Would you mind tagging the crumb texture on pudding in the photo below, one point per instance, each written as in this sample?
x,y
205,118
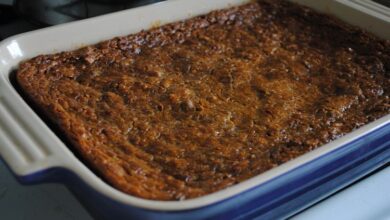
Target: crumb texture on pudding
x,y
192,107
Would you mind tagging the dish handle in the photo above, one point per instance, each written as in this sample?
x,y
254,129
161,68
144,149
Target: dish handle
x,y
23,144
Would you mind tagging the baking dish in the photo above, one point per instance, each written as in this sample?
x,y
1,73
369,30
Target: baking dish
x,y
35,154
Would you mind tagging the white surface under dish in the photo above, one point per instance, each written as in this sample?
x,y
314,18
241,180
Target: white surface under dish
x,y
367,199
29,146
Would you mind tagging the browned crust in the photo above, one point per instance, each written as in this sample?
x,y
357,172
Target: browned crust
x,y
193,107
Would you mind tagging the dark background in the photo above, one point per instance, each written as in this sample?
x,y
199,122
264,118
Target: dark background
x,y
27,15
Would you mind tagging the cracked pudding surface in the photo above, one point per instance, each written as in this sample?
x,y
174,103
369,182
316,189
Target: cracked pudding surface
x,y
192,107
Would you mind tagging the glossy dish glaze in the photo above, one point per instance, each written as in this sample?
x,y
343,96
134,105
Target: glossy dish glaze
x,y
193,107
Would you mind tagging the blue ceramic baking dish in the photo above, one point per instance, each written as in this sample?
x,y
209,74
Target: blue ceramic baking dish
x,y
36,155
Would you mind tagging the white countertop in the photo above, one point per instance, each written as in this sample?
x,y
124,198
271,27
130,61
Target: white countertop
x,y
368,199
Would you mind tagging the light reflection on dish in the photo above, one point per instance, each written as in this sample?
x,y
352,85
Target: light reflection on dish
x,y
14,50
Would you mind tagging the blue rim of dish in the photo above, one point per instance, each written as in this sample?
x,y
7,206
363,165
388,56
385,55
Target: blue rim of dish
x,y
277,187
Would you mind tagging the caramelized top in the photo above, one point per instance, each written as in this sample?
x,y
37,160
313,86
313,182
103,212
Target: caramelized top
x,y
193,107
